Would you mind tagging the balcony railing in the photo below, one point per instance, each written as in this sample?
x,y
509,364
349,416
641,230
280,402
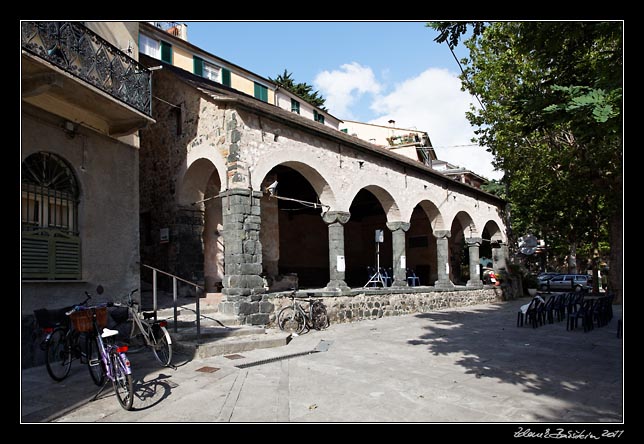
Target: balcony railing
x,y
75,49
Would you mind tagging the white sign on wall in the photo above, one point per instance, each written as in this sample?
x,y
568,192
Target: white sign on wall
x,y
403,262
447,268
340,263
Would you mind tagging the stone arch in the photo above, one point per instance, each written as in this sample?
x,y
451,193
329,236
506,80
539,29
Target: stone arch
x,y
466,221
290,226
201,163
496,234
387,201
433,214
290,159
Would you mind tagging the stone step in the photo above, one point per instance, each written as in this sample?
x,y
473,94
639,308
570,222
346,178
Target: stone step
x,y
208,332
217,346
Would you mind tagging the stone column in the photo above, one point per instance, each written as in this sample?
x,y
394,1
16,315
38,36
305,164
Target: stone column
x,y
398,230
499,256
442,261
473,244
336,221
242,282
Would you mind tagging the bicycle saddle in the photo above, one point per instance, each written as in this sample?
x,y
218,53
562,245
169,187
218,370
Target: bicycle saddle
x,y
108,333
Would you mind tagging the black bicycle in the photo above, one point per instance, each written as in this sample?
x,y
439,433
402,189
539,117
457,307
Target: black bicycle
x,y
295,318
62,344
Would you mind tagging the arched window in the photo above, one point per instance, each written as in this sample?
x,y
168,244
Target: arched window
x,y
50,241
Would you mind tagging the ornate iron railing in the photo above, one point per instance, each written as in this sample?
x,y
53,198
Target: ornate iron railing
x,y
77,50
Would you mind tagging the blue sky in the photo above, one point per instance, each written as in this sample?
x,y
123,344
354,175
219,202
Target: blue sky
x,y
367,71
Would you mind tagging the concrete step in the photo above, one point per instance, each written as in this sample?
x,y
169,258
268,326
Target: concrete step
x,y
236,343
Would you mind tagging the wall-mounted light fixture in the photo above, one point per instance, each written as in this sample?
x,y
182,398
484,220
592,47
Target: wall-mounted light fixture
x,y
70,128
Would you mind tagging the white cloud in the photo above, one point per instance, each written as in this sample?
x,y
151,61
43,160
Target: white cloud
x,y
342,88
433,102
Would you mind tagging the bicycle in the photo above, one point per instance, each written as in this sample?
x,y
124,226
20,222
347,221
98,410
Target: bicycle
x,y
295,319
146,331
62,343
107,360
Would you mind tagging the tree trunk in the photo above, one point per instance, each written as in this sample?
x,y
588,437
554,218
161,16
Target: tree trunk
x,y
572,259
616,254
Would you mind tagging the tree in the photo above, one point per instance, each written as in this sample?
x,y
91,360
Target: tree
x,y
551,115
302,89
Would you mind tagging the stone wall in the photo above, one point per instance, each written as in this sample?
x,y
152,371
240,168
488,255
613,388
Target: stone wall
x,y
373,306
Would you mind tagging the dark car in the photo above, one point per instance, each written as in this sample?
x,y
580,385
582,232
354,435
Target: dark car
x,y
567,282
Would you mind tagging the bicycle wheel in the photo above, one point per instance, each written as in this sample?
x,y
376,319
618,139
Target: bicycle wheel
x,y
136,340
290,320
95,364
122,382
58,355
160,342
320,317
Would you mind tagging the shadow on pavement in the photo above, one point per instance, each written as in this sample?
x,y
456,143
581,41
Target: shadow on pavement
x,y
582,370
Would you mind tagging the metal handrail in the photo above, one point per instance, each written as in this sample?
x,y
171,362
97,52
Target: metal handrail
x,y
174,295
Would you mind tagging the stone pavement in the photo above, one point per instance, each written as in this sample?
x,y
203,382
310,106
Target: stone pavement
x,y
467,364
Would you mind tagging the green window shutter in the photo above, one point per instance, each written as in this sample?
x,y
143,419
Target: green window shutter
x,y
261,92
315,115
295,106
225,76
166,52
50,254
345,130
198,65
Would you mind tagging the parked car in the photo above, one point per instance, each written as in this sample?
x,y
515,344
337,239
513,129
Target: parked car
x,y
567,282
546,276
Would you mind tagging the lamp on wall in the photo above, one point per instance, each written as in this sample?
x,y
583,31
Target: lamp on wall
x,y
70,128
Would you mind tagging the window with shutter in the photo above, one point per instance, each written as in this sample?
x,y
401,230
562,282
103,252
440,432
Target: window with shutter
x,y
197,63
225,76
166,52
50,244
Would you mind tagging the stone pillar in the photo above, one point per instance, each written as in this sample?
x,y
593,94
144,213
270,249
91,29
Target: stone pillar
x,y
442,259
473,244
270,234
336,221
499,257
242,282
398,230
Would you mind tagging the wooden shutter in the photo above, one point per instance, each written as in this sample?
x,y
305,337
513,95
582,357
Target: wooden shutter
x,y
166,52
50,254
197,65
225,76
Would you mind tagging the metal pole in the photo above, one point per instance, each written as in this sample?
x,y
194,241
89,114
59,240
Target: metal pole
x,y
154,292
174,301
198,312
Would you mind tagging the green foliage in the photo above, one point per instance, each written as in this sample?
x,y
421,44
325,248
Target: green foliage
x,y
552,117
302,89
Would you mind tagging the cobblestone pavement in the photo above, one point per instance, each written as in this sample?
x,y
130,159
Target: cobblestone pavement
x,y
462,365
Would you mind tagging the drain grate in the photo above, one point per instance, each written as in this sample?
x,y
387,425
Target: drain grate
x,y
321,347
207,369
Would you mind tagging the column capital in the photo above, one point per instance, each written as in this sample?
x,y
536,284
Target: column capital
x,y
331,217
474,241
394,226
442,234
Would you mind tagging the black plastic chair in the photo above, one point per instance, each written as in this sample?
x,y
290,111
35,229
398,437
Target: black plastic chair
x,y
584,312
386,277
531,316
546,311
412,279
559,307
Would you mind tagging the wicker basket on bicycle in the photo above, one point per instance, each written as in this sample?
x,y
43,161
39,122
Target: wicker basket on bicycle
x,y
82,319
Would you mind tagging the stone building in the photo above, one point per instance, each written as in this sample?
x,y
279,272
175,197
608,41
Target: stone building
x,y
206,169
